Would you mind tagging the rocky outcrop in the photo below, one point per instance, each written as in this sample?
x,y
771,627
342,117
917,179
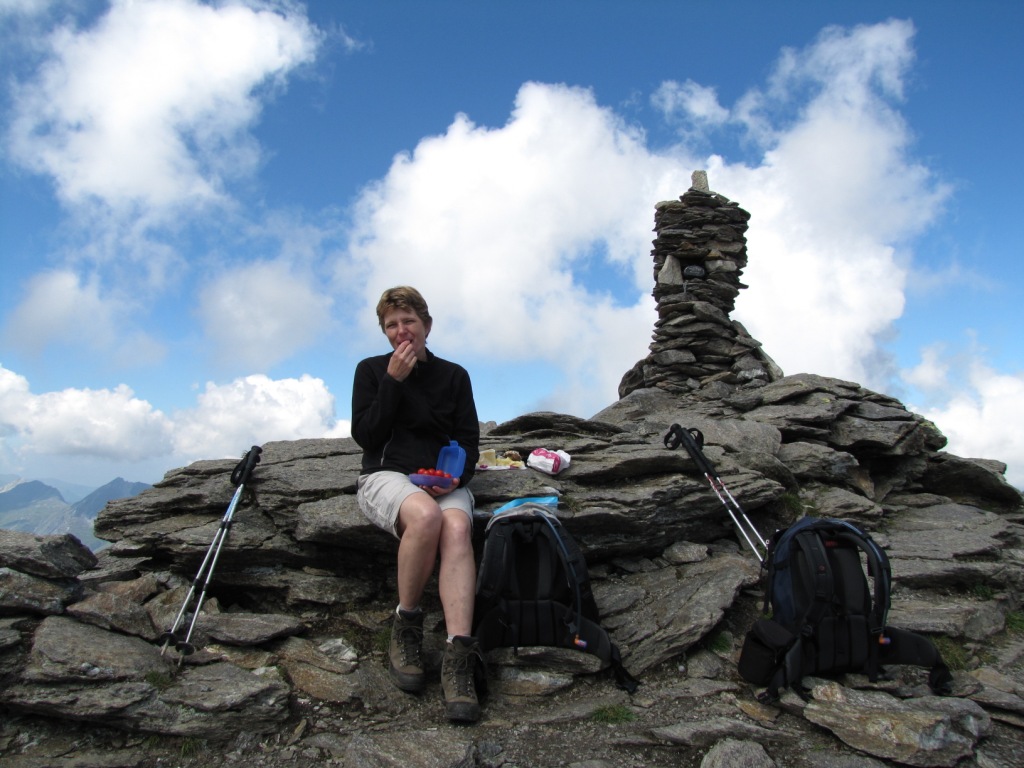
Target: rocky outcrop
x,y
289,667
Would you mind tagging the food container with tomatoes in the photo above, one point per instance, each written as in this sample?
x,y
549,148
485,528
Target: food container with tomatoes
x,y
450,462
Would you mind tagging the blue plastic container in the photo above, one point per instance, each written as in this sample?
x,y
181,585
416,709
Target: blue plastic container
x,y
452,459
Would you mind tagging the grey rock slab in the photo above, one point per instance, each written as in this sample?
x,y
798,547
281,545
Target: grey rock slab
x,y
680,605
65,650
579,709
338,520
116,612
333,655
992,698
819,411
892,436
105,703
314,672
248,628
52,557
931,731
840,503
522,681
932,574
420,748
215,700
813,461
972,481
734,753
712,730
563,660
698,688
795,387
21,593
948,530
969,619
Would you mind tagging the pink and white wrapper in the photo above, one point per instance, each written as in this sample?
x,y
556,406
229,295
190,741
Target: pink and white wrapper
x,y
548,462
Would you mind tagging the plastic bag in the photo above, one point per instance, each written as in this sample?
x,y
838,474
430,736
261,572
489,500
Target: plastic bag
x,y
548,462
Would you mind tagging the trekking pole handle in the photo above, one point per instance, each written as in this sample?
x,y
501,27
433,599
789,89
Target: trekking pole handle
x,y
240,474
692,440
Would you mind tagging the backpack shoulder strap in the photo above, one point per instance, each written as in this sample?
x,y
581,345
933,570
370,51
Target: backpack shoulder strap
x,y
586,633
499,548
880,571
573,618
816,572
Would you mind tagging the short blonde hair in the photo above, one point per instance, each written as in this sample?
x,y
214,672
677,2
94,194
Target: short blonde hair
x,y
403,297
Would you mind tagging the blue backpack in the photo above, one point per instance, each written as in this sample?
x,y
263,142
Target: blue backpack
x,y
826,618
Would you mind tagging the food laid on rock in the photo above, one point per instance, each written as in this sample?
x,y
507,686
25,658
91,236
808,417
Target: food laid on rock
x,y
489,459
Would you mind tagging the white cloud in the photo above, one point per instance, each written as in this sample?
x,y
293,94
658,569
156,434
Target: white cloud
x,y
497,226
260,314
835,197
689,101
151,106
531,241
983,420
932,373
59,306
26,7
977,408
145,111
254,410
109,423
115,425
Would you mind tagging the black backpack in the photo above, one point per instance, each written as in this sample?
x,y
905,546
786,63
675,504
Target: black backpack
x,y
533,589
825,617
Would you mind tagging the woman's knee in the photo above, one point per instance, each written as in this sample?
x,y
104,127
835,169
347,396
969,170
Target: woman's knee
x,y
420,513
457,528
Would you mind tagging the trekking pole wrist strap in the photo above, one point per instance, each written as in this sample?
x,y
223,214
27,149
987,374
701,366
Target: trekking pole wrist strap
x,y
240,474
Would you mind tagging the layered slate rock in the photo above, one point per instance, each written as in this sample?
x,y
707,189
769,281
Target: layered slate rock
x,y
305,586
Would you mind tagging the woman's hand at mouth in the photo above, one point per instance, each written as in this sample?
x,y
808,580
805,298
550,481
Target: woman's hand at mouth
x,y
403,360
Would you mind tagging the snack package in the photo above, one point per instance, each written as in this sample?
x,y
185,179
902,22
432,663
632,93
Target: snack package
x,y
548,462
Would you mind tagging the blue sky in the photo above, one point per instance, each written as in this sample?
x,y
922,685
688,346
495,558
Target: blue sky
x,y
201,201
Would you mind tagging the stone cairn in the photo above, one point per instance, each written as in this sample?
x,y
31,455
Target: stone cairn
x,y
699,254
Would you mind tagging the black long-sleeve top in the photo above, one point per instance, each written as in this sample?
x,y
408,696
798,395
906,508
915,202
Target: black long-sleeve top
x,y
403,425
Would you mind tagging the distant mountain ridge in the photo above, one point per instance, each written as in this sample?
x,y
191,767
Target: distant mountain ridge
x,y
33,506
27,493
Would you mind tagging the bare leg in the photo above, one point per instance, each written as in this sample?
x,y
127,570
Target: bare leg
x,y
457,577
419,525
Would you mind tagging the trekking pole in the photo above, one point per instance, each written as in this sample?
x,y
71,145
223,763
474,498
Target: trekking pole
x,y
239,476
693,441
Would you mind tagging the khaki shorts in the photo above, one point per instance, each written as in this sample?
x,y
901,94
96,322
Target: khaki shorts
x,y
380,496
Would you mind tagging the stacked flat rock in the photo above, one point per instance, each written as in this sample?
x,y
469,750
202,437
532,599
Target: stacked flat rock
x,y
699,255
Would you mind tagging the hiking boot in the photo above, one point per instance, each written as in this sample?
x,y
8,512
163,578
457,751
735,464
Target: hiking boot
x,y
458,678
406,652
